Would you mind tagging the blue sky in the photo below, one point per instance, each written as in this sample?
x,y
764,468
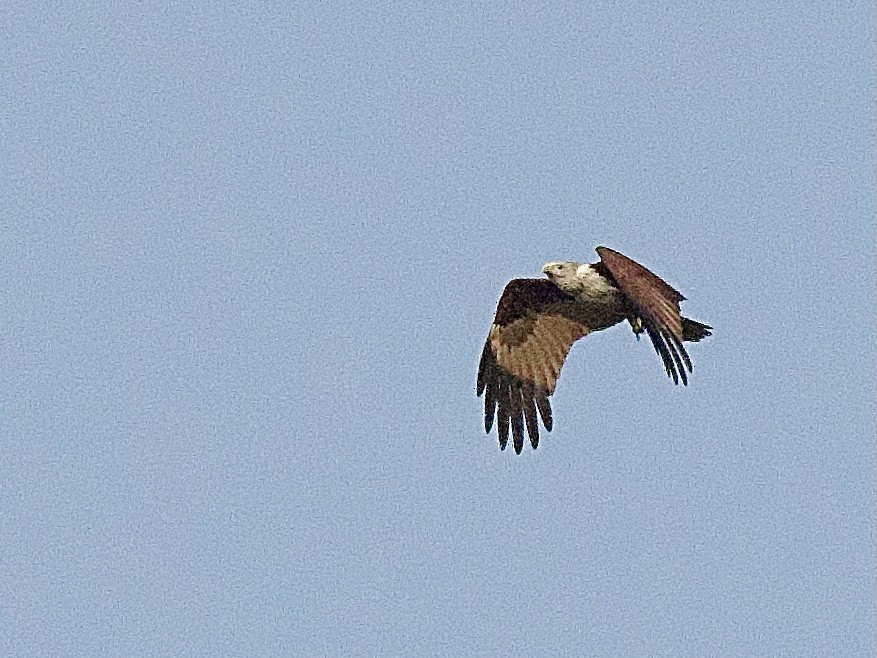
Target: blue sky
x,y
250,257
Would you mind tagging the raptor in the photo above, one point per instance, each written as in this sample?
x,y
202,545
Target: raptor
x,y
538,320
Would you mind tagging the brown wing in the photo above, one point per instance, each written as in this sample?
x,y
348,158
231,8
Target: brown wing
x,y
657,305
525,349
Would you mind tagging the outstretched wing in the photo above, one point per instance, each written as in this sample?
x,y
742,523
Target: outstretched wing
x,y
530,337
656,303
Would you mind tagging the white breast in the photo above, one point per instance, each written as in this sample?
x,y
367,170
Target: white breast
x,y
593,283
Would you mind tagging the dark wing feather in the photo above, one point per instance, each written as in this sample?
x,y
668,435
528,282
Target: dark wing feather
x,y
657,304
522,357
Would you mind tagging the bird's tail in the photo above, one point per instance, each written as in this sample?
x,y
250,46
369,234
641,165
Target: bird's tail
x,y
694,331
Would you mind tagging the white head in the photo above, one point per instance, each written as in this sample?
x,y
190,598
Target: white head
x,y
578,278
563,274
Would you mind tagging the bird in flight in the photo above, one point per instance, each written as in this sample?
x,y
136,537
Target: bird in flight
x,y
538,320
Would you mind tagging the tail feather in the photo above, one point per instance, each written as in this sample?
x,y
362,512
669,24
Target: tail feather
x,y
694,331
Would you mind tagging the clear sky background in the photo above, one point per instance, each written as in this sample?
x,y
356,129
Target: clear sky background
x,y
249,259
